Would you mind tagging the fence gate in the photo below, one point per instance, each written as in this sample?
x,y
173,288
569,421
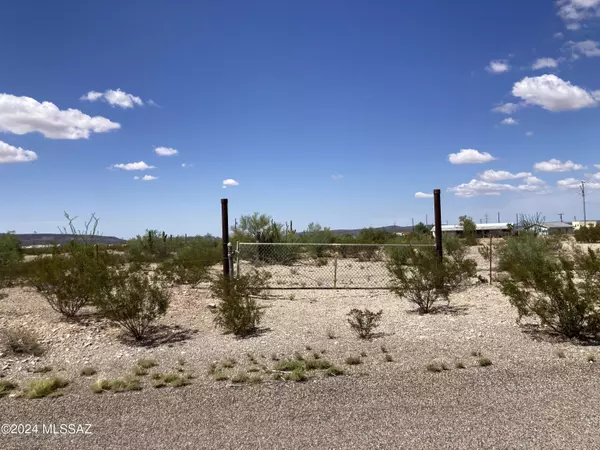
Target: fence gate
x,y
320,266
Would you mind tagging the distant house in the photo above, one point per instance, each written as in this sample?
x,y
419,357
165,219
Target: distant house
x,y
482,229
551,228
588,223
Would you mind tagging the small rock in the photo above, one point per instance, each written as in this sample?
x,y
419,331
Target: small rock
x,y
211,305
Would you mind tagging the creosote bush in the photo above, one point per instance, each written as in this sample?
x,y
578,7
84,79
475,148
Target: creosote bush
x,y
191,263
419,275
134,301
238,312
363,323
562,290
70,279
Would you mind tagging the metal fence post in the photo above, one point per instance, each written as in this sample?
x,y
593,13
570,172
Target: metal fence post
x,y
237,259
225,236
335,260
437,207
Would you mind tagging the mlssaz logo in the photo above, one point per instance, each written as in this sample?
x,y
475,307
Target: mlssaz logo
x,y
67,428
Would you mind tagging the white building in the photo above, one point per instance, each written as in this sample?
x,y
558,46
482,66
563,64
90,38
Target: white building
x,y
589,223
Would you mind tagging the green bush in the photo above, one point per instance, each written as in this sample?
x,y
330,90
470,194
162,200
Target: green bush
x,y
364,322
70,280
133,301
238,312
588,234
192,262
419,275
561,290
11,256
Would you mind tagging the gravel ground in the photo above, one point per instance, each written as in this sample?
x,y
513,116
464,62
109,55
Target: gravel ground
x,y
528,398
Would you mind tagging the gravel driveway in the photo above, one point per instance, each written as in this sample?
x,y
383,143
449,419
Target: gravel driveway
x,y
540,407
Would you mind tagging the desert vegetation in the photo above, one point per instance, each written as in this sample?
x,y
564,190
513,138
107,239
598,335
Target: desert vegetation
x,y
133,288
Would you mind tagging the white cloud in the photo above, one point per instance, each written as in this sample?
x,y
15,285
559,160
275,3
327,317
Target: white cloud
x,y
91,96
552,93
114,97
507,108
509,121
542,63
572,183
187,165
146,178
597,166
555,165
476,188
498,66
529,134
141,165
586,48
559,35
21,115
11,154
337,177
229,182
423,195
500,175
575,11
165,151
470,156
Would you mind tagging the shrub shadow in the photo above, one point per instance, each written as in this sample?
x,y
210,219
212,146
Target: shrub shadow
x,y
160,335
447,310
256,333
539,333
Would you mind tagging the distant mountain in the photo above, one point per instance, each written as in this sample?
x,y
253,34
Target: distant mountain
x,y
389,229
59,239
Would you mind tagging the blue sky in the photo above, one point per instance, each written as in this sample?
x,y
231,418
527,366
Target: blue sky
x,y
331,111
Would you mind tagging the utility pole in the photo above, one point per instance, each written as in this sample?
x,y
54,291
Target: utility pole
x,y
560,215
413,224
498,217
486,217
426,220
582,193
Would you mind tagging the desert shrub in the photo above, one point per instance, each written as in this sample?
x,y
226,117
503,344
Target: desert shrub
x,y
134,301
20,341
71,279
469,230
419,275
562,290
364,322
45,387
191,263
238,311
588,234
11,256
316,234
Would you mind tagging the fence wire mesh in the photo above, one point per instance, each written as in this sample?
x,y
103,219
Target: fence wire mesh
x,y
320,266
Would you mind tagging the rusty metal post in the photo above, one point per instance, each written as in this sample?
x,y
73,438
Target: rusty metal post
x,y
437,207
225,236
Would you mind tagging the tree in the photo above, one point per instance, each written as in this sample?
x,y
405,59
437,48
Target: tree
x,y
532,222
421,228
316,234
259,228
469,229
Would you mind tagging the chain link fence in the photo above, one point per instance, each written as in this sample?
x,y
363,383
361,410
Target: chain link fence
x,y
319,266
